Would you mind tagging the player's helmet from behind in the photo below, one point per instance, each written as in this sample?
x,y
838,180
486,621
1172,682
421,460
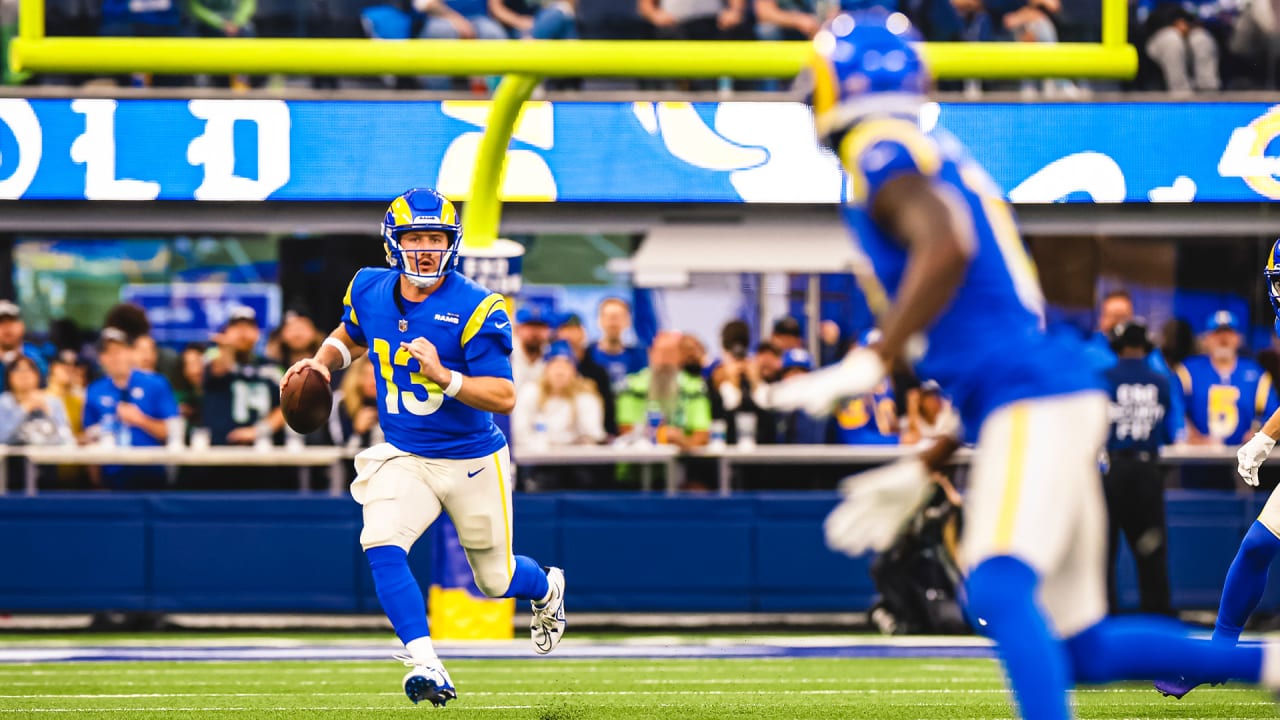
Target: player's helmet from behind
x,y
421,209
1272,274
863,63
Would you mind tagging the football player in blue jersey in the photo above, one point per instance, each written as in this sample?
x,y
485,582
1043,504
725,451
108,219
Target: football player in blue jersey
x,y
944,269
1247,576
441,346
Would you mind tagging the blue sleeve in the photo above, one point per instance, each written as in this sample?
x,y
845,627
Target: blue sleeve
x,y
1177,415
350,321
10,417
92,412
637,359
1170,427
488,348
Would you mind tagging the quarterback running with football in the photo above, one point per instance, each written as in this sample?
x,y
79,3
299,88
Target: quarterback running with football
x,y
944,269
1247,576
441,346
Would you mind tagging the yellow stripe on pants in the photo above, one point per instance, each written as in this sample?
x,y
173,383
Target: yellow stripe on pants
x,y
1013,477
506,519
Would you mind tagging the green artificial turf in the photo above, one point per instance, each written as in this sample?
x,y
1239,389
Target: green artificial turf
x,y
550,689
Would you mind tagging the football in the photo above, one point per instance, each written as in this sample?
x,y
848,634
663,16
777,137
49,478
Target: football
x,y
306,401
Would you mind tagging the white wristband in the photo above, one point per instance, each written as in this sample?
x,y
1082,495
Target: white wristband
x,y
455,383
342,348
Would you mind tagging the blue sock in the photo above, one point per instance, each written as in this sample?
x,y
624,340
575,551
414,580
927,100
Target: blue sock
x,y
528,582
1246,579
1146,647
398,591
1002,591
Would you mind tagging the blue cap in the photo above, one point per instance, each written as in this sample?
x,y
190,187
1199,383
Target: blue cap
x,y
1222,319
561,349
533,314
797,358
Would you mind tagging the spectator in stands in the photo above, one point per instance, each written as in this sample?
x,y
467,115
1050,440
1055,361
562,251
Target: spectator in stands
x,y
1184,50
299,338
798,427
679,399
241,388
929,415
132,320
127,407
13,333
563,408
610,351
832,346
1224,394
189,390
694,19
787,334
693,355
1256,37
574,333
354,421
870,419
532,335
727,384
29,415
142,18
147,353
63,385
456,20
539,19
786,19
223,18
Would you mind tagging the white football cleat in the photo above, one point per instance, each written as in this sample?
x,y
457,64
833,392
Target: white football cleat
x,y
548,620
427,682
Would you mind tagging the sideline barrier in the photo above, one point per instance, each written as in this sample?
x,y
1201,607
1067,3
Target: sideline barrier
x,y
623,552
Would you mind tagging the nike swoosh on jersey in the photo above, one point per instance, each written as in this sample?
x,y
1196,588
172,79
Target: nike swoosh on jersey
x,y
473,474
503,324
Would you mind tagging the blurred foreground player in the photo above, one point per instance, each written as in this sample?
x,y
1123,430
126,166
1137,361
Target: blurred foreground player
x,y
1247,576
423,326
942,253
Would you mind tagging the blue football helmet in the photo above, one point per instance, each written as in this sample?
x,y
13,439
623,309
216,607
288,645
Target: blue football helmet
x,y
1272,274
863,63
421,209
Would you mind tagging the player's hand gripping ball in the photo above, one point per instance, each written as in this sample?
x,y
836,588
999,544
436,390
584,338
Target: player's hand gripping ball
x,y
306,398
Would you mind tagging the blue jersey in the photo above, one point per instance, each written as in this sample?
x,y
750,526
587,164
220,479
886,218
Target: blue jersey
x,y
988,348
1141,407
471,331
1103,358
870,419
149,391
632,359
1225,406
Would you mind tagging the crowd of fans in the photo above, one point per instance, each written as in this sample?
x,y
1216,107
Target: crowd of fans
x,y
125,390
1186,45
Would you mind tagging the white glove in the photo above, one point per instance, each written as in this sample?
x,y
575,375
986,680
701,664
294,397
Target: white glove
x,y
877,504
818,392
1251,455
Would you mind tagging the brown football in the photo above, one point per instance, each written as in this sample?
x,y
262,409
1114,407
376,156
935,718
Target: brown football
x,y
306,401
